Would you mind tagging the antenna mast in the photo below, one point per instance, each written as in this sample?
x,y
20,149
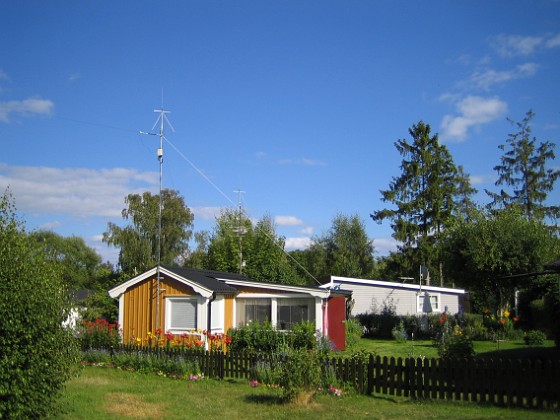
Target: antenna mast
x,y
240,229
161,119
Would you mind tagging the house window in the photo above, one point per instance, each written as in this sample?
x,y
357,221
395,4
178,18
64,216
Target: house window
x,y
294,311
428,302
181,314
253,310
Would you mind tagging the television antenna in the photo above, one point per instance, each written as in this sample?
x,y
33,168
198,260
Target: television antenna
x,y
162,119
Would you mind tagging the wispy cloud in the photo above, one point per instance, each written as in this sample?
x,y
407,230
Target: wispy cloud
x,y
482,179
508,46
307,230
26,107
302,162
206,213
74,192
73,77
472,111
486,79
287,221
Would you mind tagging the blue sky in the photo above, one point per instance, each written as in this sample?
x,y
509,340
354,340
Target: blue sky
x,y
297,103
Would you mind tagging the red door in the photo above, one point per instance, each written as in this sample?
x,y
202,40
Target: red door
x,y
336,314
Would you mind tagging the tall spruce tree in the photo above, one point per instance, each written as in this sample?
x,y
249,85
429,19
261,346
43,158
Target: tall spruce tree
x,y
423,197
523,170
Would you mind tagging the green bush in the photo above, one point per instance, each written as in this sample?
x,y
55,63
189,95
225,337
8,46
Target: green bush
x,y
353,332
257,338
37,354
399,333
534,338
456,346
300,374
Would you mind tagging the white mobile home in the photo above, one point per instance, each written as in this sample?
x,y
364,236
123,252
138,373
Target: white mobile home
x,y
373,296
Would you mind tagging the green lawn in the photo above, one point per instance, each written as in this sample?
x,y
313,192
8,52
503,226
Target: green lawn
x,y
418,348
103,393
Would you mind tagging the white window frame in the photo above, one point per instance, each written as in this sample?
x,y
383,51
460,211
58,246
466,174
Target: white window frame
x,y
169,300
420,302
315,307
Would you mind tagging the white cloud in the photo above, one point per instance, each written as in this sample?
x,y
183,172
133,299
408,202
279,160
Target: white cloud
x,y
516,45
298,243
31,106
287,221
77,192
488,78
383,246
473,111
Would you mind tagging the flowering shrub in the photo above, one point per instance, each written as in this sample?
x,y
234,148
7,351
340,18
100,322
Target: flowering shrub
x,y
335,391
501,325
217,342
99,334
159,339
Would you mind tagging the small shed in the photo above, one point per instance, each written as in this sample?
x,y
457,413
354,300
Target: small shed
x,y
190,301
403,298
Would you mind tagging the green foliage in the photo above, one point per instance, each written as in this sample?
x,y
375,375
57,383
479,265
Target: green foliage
x,y
295,371
481,254
177,366
349,251
458,346
261,250
523,169
300,373
138,242
37,354
79,264
100,305
344,250
534,338
354,332
423,196
399,333
264,338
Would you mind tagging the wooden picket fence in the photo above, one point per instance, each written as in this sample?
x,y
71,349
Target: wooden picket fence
x,y
504,382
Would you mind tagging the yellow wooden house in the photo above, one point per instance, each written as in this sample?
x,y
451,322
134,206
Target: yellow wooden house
x,y
179,300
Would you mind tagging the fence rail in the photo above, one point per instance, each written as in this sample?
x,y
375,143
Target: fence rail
x,y
505,382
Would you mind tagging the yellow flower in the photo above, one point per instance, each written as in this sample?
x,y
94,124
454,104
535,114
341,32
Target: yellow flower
x,y
506,313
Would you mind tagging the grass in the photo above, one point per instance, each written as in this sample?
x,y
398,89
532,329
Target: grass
x,y
418,348
102,393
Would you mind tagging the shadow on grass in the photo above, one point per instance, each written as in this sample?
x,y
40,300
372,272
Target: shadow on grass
x,y
523,352
265,399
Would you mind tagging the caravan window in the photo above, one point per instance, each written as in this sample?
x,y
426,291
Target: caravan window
x,y
428,302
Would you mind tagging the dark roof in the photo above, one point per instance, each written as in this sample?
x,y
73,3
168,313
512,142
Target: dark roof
x,y
207,278
553,266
